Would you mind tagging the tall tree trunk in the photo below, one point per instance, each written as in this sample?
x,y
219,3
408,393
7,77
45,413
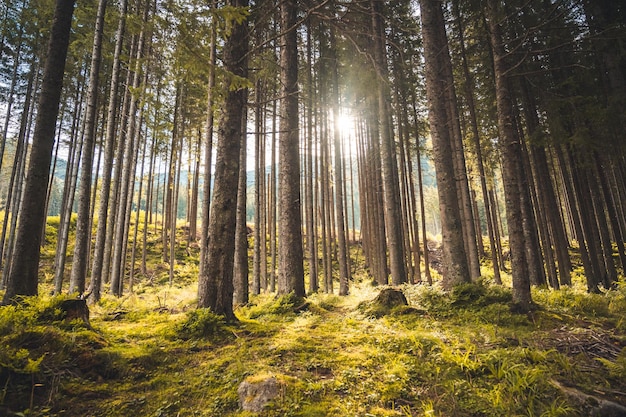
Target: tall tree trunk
x,y
259,193
511,159
23,278
109,150
272,204
344,272
215,286
469,96
81,255
240,271
69,192
128,169
392,212
14,195
456,269
311,223
131,274
18,164
290,256
208,150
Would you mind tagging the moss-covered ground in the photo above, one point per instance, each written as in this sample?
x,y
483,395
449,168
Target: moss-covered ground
x,y
458,354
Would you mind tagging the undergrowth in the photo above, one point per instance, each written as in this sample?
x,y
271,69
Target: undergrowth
x,y
463,353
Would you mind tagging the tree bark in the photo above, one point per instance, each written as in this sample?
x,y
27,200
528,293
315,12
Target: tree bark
x,y
240,271
215,287
511,159
456,269
23,278
208,150
392,213
81,255
109,150
290,256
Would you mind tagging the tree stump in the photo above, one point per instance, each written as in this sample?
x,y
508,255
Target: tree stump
x,y
75,310
389,300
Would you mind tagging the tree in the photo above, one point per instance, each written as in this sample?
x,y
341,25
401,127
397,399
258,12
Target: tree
x,y
23,278
510,151
290,254
109,151
83,224
391,190
455,265
215,287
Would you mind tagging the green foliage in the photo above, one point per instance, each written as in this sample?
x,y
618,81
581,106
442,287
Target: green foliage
x,y
617,303
286,304
617,368
201,323
575,301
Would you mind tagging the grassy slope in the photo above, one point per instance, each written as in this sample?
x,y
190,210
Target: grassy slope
x,y
462,354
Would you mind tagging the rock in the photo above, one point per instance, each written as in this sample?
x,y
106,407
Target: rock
x,y
255,394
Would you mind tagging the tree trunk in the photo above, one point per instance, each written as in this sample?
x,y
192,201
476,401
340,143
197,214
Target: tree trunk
x,y
109,150
215,286
240,271
392,213
23,278
511,158
83,224
311,223
469,96
290,256
127,171
260,236
342,246
456,269
208,150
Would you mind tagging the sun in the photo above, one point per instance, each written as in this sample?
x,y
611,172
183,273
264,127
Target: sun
x,y
345,123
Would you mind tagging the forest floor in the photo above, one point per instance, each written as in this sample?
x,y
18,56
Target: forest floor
x,y
457,354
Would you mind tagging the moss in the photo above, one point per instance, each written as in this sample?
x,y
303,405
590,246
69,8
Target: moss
x,y
461,353
201,323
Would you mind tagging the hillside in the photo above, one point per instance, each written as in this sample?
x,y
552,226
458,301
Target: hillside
x,y
461,354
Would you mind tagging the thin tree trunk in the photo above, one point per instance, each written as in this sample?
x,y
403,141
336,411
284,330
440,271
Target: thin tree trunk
x,y
311,226
511,157
81,256
240,267
259,190
119,248
109,150
272,206
69,192
208,150
392,214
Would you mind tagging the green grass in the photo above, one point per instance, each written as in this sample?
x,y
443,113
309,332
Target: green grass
x,y
462,354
